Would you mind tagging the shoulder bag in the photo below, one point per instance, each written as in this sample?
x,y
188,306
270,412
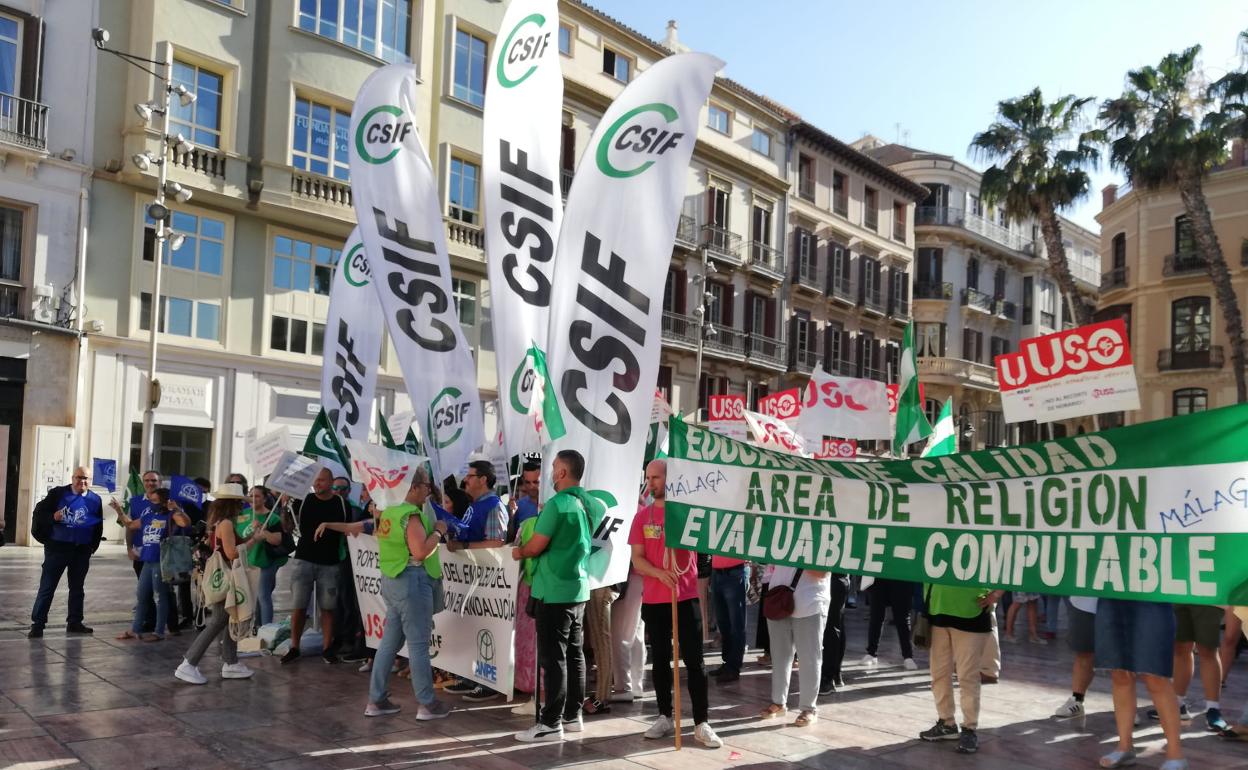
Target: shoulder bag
x,y
779,603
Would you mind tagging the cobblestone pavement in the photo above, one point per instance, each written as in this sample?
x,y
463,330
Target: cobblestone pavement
x,y
95,702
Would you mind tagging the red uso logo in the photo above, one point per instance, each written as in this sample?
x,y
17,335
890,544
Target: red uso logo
x,y
836,449
731,408
776,435
1089,348
782,405
832,395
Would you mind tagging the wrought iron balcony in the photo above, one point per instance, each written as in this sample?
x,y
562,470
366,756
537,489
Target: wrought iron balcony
x,y
565,182
933,291
722,244
806,187
944,216
764,351
806,276
978,300
1004,309
842,288
1114,279
874,374
872,300
723,340
1169,359
679,329
802,360
899,308
687,232
23,122
1182,264
766,261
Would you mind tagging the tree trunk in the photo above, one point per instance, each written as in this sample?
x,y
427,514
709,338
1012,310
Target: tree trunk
x,y
1197,210
1059,267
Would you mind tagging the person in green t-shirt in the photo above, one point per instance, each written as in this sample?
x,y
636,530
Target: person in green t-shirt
x,y
560,544
408,536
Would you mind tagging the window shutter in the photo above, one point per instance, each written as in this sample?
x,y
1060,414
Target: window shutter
x,y
828,347
710,206
748,324
891,275
568,149
847,351
727,306
905,286
943,329
681,289
940,263
813,247
966,344
812,338
793,341
34,41
881,359
797,252
770,328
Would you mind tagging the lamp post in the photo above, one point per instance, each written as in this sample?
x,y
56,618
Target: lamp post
x,y
157,210
699,317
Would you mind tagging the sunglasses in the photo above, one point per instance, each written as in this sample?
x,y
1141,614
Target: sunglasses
x,y
339,488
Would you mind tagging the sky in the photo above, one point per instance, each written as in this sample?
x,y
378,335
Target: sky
x,y
931,73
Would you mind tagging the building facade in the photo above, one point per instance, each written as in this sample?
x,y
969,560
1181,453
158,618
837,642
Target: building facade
x,y
1154,279
981,285
45,151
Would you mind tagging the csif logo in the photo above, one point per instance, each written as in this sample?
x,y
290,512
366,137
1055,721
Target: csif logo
x,y
522,382
447,414
639,133
325,444
520,50
355,267
381,132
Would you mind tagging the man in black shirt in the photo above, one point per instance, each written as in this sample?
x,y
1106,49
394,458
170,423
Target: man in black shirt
x,y
316,563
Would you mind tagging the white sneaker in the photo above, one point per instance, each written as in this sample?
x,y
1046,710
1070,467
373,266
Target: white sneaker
x,y
190,674
623,696
540,733
523,708
909,664
706,736
235,671
661,728
574,725
1069,710
870,661
366,666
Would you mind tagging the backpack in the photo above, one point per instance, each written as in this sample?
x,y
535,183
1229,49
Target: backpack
x,y
176,562
41,520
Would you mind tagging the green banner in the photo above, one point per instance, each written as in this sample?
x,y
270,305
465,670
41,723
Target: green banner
x,y
1156,511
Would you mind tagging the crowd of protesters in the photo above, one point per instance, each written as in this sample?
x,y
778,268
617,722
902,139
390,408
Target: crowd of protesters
x,y
559,616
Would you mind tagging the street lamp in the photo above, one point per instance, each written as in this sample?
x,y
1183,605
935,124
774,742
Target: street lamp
x,y
699,314
156,210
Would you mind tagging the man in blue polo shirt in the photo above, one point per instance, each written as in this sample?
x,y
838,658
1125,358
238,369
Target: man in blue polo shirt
x,y
70,524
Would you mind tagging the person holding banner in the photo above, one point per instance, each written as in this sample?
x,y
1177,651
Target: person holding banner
x,y
153,526
408,536
670,576
561,545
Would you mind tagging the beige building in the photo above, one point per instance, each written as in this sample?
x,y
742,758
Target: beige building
x,y
1154,279
981,285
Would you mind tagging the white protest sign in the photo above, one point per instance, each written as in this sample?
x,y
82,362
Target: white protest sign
x,y
264,452
386,473
846,407
293,474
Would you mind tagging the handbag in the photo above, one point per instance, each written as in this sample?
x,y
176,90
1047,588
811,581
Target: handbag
x,y
779,603
922,634
175,559
214,582
240,597
283,549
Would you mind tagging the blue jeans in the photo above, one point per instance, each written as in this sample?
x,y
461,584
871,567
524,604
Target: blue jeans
x,y
728,587
1051,605
412,599
150,584
56,561
264,598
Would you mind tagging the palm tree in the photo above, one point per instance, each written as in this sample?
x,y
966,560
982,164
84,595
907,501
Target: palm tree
x,y
1168,132
1041,153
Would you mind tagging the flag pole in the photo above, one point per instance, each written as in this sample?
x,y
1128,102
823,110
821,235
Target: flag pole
x,y
675,662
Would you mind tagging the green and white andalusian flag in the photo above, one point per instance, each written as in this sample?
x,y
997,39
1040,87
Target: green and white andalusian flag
x,y
325,446
911,423
944,439
411,444
547,419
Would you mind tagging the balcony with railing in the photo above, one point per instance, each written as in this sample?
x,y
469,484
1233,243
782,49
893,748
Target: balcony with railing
x,y
211,163
802,360
944,216
680,330
1182,264
724,341
762,350
687,232
322,189
766,261
872,300
23,123
565,182
956,370
932,290
1114,279
1004,309
722,244
842,287
841,368
872,373
464,234
977,300
806,276
1170,360
871,219
806,186
899,307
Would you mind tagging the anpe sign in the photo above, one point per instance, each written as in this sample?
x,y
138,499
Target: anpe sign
x,y
1079,372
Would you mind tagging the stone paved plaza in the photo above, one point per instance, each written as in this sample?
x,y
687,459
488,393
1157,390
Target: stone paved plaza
x,y
94,702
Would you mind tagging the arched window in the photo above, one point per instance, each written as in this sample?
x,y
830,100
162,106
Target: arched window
x,y
1188,400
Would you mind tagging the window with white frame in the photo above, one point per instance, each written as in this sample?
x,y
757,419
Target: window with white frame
x,y
300,265
376,27
182,317
565,39
321,139
463,194
1048,304
616,64
471,56
718,119
199,121
203,242
464,292
760,142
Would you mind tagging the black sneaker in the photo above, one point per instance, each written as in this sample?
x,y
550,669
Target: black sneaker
x,y
478,694
968,742
727,676
291,655
329,657
78,628
462,687
940,732
354,657
35,632
1215,722
827,687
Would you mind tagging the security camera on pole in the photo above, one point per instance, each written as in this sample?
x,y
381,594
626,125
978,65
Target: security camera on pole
x,y
157,210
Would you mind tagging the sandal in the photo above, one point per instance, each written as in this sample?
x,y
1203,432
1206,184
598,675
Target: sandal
x,y
1234,733
592,706
123,636
152,638
1118,759
805,719
772,711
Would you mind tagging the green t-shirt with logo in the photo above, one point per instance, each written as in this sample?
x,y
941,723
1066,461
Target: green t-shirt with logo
x,y
568,519
245,526
393,555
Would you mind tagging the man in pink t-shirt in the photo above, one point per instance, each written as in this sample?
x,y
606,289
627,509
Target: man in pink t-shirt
x,y
666,571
